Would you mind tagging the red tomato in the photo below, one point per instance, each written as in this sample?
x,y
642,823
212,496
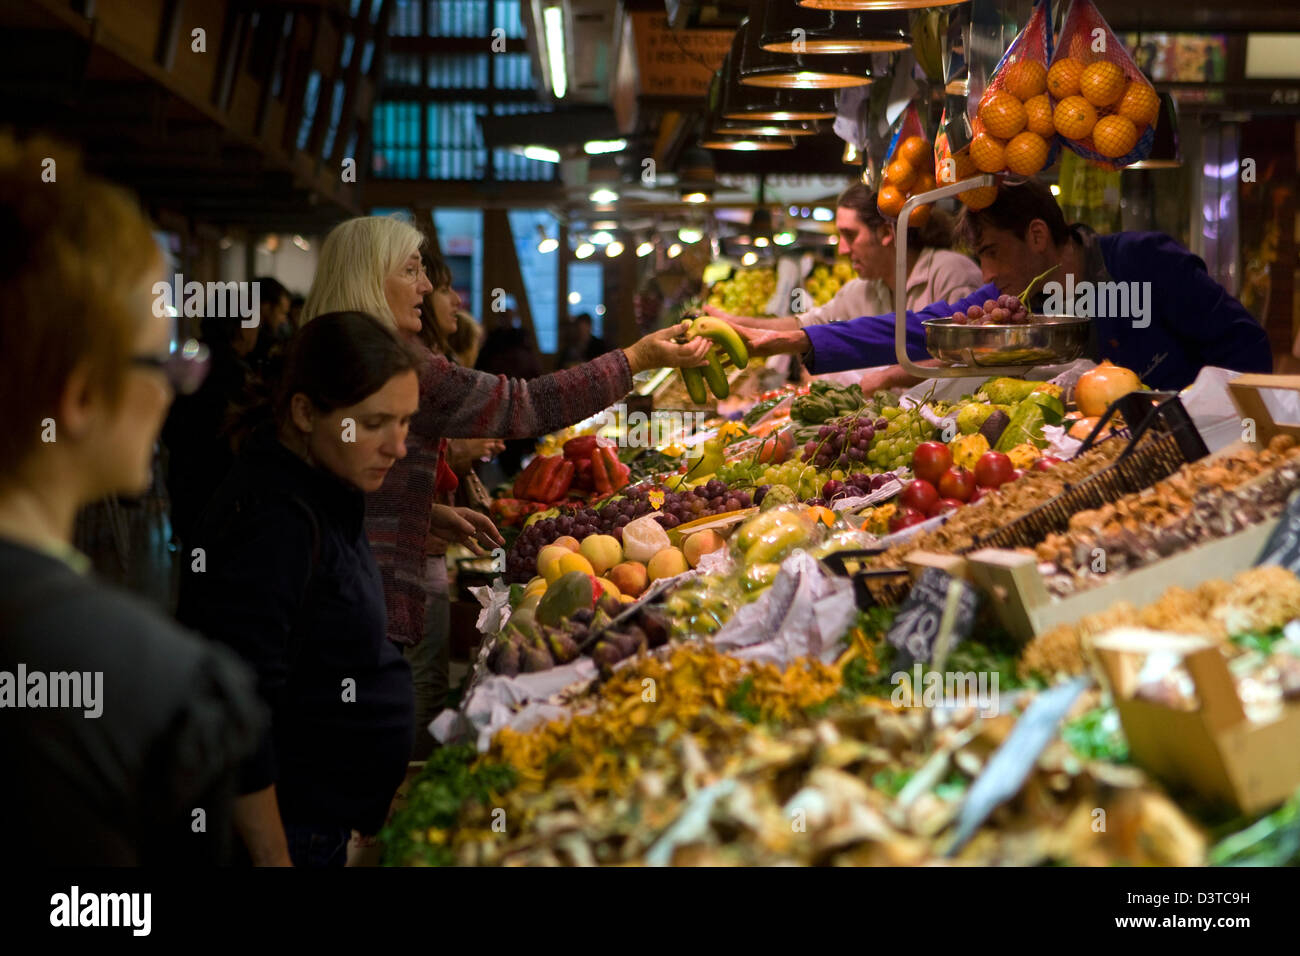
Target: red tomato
x,y
905,517
957,483
1046,462
993,469
945,506
930,460
919,494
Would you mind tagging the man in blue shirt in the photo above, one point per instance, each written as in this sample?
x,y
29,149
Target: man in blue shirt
x,y
1154,308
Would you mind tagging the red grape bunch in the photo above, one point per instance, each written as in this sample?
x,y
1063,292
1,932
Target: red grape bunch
x,y
842,445
1004,310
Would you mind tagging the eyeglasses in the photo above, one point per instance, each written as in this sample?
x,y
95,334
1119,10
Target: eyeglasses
x,y
414,274
186,368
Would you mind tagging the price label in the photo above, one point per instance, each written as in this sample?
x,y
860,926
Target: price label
x,y
916,626
1283,545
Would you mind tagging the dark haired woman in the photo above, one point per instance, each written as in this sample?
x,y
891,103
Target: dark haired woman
x,y
288,580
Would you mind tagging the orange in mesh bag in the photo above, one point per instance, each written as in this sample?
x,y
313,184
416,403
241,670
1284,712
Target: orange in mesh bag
x,y
1102,106
1013,131
907,170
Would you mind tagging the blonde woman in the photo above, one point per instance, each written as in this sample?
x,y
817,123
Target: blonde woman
x,y
373,264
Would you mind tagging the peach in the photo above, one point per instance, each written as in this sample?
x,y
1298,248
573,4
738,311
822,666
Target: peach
x,y
602,550
700,544
666,564
566,541
630,577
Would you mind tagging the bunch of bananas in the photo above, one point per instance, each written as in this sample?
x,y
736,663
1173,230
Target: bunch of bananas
x,y
724,336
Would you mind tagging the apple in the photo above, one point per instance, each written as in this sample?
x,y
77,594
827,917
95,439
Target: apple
x,y
957,483
1017,474
1046,462
700,544
905,517
980,493
993,469
930,460
919,494
944,506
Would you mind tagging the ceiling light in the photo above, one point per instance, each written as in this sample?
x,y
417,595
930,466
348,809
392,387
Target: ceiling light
x,y
575,298
695,197
553,17
301,243
645,249
791,29
784,238
595,147
876,4
1056,190
600,308
741,128
760,242
747,145
603,195
822,214
541,154
615,248
748,259
689,234
674,251
584,250
605,224
850,156
601,238
549,244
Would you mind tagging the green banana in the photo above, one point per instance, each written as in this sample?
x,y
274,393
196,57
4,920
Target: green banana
x,y
723,335
693,378
715,376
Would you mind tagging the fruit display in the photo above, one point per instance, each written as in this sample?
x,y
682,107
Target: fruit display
x,y
907,172
1103,107
747,292
825,281
1012,128
1004,310
726,340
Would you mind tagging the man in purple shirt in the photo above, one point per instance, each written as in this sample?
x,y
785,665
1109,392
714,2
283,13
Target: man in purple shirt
x,y
1153,306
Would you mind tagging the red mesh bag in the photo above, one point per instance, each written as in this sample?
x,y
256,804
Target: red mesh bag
x,y
1104,109
1012,127
907,169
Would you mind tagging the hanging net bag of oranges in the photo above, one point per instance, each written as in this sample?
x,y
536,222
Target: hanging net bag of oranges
x,y
1012,127
907,171
1103,108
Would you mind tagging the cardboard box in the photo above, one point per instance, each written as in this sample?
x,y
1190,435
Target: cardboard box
x,y
1213,750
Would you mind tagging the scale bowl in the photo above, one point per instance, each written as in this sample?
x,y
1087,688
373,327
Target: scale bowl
x,y
1046,340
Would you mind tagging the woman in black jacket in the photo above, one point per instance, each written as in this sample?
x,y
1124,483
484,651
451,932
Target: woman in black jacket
x,y
285,576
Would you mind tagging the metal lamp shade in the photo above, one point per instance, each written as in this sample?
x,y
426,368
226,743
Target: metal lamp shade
x,y
798,71
876,4
750,103
792,29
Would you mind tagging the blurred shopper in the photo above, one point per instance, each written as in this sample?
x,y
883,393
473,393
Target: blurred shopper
x,y
467,341
163,719
290,583
581,346
373,264
198,444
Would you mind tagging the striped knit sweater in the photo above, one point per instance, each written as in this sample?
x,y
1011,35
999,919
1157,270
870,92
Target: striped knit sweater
x,y
457,402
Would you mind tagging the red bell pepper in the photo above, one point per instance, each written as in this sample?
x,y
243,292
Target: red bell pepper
x,y
525,477
558,481
581,447
615,470
536,487
599,473
582,474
